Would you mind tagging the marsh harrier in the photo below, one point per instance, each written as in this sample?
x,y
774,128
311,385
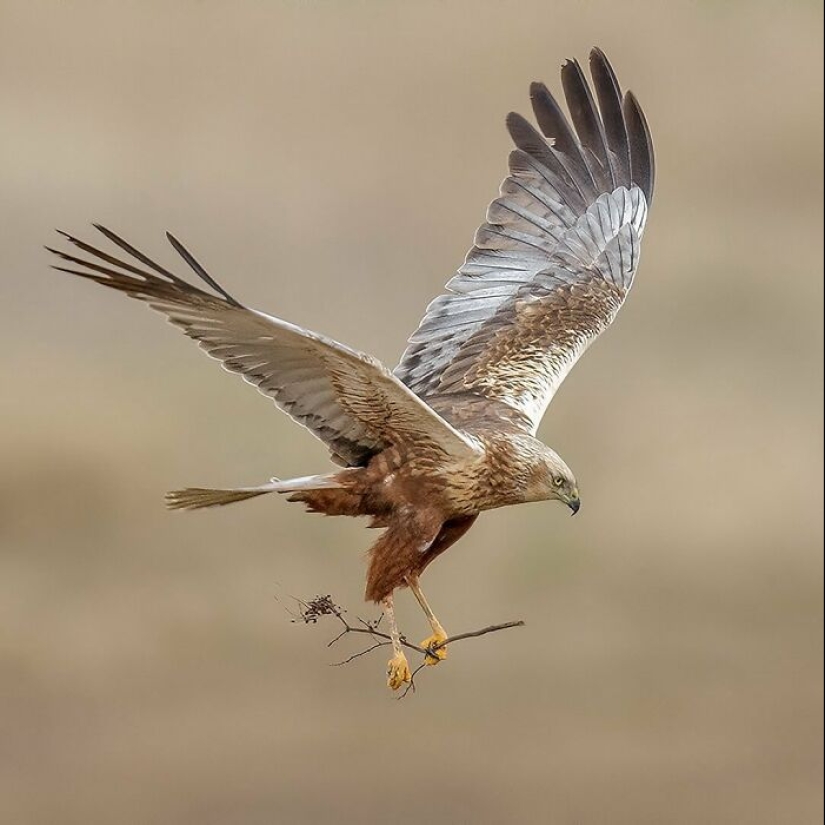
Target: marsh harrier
x,y
451,431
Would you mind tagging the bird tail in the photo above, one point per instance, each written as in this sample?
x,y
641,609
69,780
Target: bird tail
x,y
196,498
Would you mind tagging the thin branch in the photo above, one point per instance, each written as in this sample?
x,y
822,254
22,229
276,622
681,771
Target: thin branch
x,y
411,684
360,654
343,633
310,612
376,634
474,634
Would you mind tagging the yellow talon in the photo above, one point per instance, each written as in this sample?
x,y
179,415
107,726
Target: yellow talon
x,y
398,671
437,638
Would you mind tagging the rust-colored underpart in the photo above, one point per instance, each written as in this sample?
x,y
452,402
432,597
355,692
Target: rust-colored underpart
x,y
412,538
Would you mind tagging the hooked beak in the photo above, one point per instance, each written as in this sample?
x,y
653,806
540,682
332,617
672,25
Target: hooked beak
x,y
574,504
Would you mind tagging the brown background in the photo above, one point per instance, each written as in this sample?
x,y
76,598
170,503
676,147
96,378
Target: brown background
x,y
329,163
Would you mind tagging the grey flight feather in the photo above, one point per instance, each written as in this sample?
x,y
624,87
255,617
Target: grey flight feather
x,y
553,262
346,398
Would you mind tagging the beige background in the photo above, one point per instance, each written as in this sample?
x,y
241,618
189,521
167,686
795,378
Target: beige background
x,y
329,163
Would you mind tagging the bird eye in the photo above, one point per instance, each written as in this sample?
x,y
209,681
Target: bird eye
x,y
558,481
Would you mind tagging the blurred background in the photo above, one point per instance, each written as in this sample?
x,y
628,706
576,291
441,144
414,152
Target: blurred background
x,y
329,163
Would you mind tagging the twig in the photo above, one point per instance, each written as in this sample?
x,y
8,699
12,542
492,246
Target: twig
x,y
474,634
309,613
360,654
376,634
411,683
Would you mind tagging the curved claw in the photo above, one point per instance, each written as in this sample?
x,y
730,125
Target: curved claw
x,y
433,657
398,671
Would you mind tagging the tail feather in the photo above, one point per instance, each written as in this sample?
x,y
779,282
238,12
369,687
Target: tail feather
x,y
196,498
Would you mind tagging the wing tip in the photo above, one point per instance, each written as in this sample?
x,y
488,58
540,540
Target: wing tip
x,y
538,88
597,53
198,269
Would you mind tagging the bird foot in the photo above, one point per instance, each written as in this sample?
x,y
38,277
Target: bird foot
x,y
433,657
398,671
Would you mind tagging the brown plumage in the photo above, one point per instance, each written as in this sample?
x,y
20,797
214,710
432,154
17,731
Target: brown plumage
x,y
451,431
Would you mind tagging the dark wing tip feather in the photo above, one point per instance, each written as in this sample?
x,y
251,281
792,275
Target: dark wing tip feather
x,y
606,141
551,119
585,117
571,180
526,138
135,253
554,125
642,161
198,269
122,275
113,273
604,125
609,95
597,55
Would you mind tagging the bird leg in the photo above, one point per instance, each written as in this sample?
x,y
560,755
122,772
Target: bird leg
x,y
439,634
398,669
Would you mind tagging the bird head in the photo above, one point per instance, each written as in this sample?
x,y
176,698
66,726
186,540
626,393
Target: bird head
x,y
553,480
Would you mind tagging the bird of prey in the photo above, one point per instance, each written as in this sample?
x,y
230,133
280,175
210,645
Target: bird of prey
x,y
451,431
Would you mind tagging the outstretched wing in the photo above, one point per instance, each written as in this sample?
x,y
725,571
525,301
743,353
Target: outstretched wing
x,y
346,398
553,263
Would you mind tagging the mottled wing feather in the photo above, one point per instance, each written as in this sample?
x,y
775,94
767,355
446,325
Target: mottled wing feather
x,y
346,398
521,356
554,260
